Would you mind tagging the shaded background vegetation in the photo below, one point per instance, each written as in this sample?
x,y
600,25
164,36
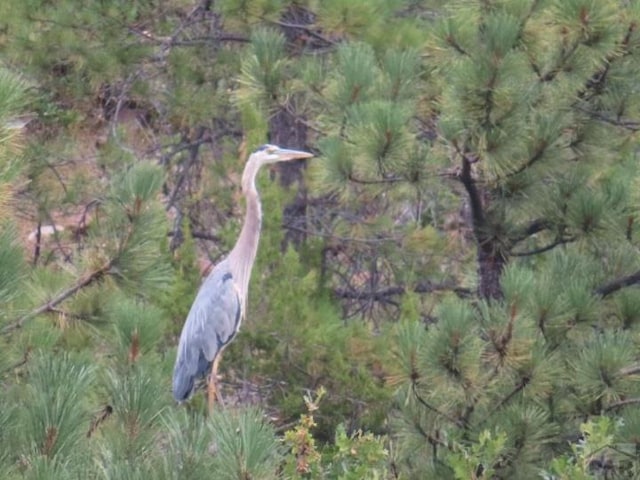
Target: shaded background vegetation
x,y
449,290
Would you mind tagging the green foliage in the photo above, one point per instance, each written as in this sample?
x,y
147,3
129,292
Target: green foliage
x,y
136,328
65,46
595,454
263,69
13,98
177,298
12,266
137,399
465,281
480,459
357,19
250,12
54,416
360,455
472,369
7,432
191,442
137,227
354,456
138,184
299,340
245,445
353,80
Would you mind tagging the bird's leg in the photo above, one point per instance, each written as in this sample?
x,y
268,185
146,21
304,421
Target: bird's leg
x,y
213,393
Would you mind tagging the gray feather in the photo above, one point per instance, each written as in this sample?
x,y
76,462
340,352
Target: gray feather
x,y
212,323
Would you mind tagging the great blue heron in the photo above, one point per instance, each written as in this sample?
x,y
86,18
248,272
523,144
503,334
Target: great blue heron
x,y
220,305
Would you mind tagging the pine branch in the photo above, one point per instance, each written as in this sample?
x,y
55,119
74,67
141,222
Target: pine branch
x,y
488,100
194,148
597,81
536,226
632,370
339,238
66,314
429,287
172,41
307,30
455,45
524,381
363,181
622,403
434,441
300,118
103,415
559,66
85,281
545,248
631,125
23,361
199,235
537,155
617,284
424,403
185,145
58,299
420,287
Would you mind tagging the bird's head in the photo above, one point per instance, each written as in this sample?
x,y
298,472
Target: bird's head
x,y
267,154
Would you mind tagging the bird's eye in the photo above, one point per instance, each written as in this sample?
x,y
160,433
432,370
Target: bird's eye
x,y
271,149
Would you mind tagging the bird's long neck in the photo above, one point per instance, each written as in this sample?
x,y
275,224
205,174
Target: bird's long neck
x,y
242,256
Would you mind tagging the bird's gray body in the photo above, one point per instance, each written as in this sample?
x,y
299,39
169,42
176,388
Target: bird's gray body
x,y
213,321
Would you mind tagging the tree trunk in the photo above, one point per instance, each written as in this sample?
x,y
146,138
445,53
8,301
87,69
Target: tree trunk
x,y
491,260
491,263
286,131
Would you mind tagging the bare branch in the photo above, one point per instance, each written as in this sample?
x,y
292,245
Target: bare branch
x,y
329,236
307,30
617,284
379,181
194,148
383,294
200,236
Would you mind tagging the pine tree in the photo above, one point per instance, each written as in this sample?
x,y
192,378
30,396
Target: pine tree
x,y
531,112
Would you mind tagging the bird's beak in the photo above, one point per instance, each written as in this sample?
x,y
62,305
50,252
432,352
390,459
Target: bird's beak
x,y
286,154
